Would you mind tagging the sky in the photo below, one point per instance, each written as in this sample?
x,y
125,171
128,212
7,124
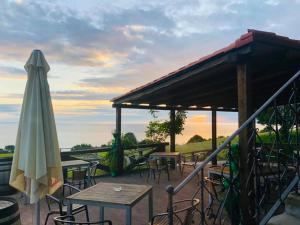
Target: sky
x,y
101,49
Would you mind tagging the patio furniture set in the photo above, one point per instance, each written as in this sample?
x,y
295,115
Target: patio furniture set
x,y
80,190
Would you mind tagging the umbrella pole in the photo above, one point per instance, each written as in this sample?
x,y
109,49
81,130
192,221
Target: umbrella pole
x,y
37,213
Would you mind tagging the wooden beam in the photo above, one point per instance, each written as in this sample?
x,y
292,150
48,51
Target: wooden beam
x,y
118,137
214,134
172,130
186,108
195,87
215,93
245,111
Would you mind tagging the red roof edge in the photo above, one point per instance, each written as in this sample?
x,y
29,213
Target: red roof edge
x,y
251,36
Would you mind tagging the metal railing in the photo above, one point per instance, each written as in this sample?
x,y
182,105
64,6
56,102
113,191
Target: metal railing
x,y
273,167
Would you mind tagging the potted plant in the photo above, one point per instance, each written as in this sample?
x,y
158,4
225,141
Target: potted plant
x,y
113,156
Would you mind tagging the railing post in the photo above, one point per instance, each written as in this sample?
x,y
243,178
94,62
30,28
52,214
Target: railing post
x,y
118,140
295,89
230,182
170,190
202,198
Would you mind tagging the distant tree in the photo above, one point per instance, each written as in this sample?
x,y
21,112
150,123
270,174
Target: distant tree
x,y
159,130
129,139
9,148
283,117
81,147
196,138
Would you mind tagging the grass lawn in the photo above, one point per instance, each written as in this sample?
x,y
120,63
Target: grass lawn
x,y
5,155
202,146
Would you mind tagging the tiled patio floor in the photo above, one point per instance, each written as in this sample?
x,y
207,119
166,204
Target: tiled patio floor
x,y
139,212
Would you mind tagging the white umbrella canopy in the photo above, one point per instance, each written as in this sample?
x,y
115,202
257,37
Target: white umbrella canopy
x,y
36,167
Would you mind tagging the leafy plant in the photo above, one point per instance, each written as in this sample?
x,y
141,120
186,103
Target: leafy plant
x,y
113,156
129,140
9,148
159,130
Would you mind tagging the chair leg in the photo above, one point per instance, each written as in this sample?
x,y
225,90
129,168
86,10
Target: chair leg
x,y
168,174
148,175
158,178
47,218
140,171
87,214
182,169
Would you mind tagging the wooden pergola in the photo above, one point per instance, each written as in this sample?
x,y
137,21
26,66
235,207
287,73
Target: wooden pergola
x,y
238,78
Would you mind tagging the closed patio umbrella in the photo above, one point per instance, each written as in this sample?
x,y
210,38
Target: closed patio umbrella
x,y
36,167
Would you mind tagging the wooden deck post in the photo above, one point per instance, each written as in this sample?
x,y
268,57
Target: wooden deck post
x,y
172,136
214,133
119,144
245,110
172,130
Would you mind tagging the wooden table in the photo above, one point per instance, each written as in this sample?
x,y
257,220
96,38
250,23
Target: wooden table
x,y
74,163
219,170
104,195
175,155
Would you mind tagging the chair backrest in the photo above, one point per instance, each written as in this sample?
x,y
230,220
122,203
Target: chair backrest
x,y
183,214
152,163
78,175
132,159
51,200
69,220
93,168
190,211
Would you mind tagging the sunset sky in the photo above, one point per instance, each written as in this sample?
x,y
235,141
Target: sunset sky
x,y
101,49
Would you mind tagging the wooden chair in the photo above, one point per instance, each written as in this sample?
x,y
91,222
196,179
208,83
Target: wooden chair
x,y
183,214
60,208
154,167
69,220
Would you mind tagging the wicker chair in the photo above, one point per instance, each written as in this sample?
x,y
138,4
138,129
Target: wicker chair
x,y
183,214
61,208
69,220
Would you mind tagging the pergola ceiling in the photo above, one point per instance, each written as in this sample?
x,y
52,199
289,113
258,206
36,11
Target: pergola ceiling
x,y
212,80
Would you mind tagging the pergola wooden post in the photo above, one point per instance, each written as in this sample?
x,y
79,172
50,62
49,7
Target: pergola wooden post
x,y
172,130
214,133
244,112
118,139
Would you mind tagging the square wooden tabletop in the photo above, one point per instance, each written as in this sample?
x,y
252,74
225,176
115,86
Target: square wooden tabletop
x,y
105,193
74,163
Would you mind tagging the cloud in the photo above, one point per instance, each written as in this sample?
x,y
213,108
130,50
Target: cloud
x,y
9,108
198,119
100,49
9,72
80,95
